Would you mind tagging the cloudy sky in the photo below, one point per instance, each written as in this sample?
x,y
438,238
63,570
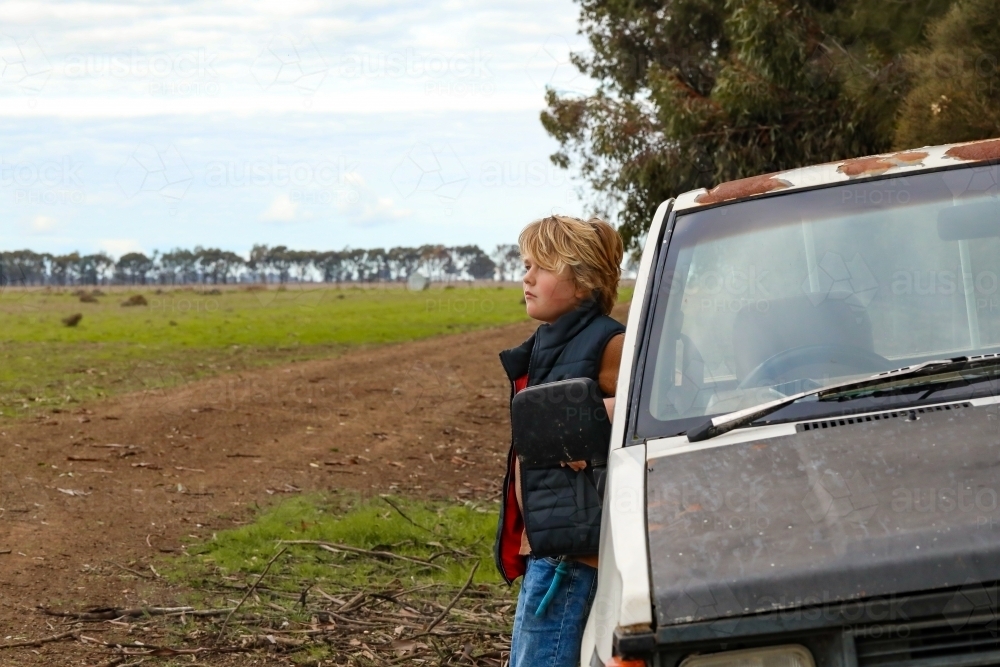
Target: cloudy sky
x,y
317,125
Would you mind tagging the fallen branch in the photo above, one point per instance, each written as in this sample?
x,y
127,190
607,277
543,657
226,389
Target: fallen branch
x,y
468,582
274,640
250,591
142,575
69,634
402,514
394,600
203,612
84,638
166,651
113,662
464,554
350,603
111,613
331,546
351,621
329,597
119,662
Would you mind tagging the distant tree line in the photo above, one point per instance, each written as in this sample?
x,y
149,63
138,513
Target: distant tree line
x,y
264,264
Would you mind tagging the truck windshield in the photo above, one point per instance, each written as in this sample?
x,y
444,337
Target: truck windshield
x,y
772,296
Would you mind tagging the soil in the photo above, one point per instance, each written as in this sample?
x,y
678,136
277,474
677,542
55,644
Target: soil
x,y
88,492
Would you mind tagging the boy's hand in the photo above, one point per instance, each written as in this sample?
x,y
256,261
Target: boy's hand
x,y
577,466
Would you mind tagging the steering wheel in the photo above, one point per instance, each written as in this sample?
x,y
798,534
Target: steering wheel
x,y
778,367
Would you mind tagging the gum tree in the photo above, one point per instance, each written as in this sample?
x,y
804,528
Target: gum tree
x,y
956,81
693,92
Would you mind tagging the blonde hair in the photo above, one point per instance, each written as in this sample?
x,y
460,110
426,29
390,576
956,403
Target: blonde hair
x,y
592,250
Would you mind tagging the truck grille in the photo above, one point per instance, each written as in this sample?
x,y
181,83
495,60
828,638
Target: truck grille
x,y
972,642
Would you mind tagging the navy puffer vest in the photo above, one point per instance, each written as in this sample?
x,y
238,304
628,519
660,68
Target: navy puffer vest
x,y
571,347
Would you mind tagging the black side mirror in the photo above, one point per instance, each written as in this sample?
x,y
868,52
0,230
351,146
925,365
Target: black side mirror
x,y
560,422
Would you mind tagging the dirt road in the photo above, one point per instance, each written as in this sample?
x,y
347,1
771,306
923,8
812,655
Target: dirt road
x,y
88,491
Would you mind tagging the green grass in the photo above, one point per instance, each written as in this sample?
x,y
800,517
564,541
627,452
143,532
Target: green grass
x,y
183,334
454,535
305,582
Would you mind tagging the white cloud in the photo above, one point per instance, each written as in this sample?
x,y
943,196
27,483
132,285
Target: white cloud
x,y
383,209
282,209
117,60
119,247
368,207
41,224
360,102
399,74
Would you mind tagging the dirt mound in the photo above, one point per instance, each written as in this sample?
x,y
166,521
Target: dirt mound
x,y
135,300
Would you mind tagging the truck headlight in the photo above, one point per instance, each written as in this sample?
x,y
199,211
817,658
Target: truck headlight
x,y
774,656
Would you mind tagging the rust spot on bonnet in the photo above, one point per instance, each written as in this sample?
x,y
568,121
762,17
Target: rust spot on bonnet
x,y
745,187
879,164
988,149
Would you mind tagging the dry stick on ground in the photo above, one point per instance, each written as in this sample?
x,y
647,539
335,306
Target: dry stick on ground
x,y
402,514
249,591
347,605
332,546
116,612
113,662
120,662
69,634
142,575
394,600
463,554
468,582
352,621
203,612
329,597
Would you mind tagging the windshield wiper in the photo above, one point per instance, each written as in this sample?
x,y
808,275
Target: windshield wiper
x,y
725,423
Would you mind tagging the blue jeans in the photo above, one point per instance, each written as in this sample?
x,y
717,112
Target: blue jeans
x,y
552,640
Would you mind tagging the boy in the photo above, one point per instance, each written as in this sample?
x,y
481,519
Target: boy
x,y
572,270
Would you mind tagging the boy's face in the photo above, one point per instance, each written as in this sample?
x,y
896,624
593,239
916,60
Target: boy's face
x,y
549,295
